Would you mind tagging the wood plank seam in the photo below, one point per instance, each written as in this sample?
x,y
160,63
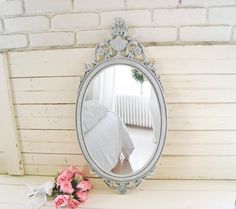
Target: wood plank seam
x,y
12,145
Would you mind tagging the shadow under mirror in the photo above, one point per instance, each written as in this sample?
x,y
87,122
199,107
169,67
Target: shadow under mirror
x,y
121,120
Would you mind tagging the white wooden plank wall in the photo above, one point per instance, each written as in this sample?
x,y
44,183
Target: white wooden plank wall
x,y
10,152
200,88
3,167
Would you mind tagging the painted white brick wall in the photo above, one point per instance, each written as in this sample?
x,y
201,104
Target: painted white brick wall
x,y
165,34
67,23
39,6
35,23
187,16
92,36
207,2
11,7
133,17
151,3
234,35
207,33
98,5
52,39
76,20
12,41
1,26
225,15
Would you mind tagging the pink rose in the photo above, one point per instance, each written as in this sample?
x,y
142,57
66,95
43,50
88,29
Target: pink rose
x,y
84,185
73,203
74,170
68,174
66,187
61,179
82,196
60,201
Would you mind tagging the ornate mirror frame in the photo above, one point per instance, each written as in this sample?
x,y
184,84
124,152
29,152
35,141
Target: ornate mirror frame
x,y
123,50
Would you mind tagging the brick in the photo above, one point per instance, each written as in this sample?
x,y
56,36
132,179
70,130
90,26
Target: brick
x,y
98,5
93,36
222,15
234,35
35,23
154,34
175,17
207,2
12,41
206,33
1,26
132,17
75,20
52,39
10,7
151,3
38,6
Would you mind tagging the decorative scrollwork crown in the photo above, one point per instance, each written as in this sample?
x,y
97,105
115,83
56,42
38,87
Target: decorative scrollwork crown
x,y
120,45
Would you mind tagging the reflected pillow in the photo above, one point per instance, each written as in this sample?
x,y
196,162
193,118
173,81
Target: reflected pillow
x,y
93,112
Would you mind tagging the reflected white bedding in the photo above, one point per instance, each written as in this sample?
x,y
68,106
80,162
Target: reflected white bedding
x,y
107,140
92,113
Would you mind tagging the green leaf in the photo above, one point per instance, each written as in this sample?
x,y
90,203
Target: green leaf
x,y
138,76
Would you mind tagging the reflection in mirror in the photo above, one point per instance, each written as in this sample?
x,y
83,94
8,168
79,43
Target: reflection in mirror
x,y
121,120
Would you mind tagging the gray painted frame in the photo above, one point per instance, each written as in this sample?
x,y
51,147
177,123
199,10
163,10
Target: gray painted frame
x,y
121,50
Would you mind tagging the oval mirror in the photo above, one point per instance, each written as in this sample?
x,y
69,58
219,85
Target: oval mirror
x,y
121,115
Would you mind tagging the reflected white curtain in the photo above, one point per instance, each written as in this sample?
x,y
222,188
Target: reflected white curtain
x,y
102,88
155,114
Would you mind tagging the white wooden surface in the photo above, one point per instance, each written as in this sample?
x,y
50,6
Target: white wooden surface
x,y
10,146
200,88
158,194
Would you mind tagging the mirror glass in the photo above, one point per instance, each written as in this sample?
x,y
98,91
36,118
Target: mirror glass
x,y
121,120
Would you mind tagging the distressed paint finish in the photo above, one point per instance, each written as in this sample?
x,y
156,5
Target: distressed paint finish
x,y
7,122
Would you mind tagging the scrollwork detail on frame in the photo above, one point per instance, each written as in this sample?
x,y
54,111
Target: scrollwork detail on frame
x,y
120,45
122,187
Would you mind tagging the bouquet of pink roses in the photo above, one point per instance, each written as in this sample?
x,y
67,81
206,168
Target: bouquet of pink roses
x,y
70,188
